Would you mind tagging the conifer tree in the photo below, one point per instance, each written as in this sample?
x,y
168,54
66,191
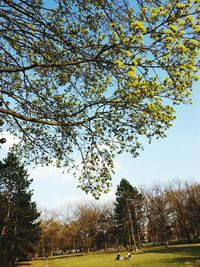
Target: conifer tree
x,y
19,228
127,209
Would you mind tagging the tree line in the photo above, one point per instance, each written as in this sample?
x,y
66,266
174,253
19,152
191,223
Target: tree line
x,y
157,215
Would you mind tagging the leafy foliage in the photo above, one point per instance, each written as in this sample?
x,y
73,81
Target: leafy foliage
x,y
93,76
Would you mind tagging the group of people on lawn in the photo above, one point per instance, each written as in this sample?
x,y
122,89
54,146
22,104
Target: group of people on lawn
x,y
129,256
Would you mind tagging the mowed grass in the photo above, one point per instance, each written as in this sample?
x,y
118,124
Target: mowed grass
x,y
174,256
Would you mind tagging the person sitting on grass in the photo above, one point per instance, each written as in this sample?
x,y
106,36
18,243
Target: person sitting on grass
x,y
119,257
129,256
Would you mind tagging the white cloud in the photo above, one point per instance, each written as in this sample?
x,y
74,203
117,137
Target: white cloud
x,y
53,173
10,141
50,173
55,188
63,201
82,197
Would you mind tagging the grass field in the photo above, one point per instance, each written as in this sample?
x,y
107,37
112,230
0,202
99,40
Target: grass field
x,y
174,256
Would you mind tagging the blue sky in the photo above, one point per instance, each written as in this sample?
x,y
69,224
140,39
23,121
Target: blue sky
x,y
176,156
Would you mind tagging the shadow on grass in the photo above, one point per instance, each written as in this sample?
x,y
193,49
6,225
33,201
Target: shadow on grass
x,y
60,257
191,254
64,256
18,264
191,250
187,261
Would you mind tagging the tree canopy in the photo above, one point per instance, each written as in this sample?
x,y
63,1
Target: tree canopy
x,y
93,76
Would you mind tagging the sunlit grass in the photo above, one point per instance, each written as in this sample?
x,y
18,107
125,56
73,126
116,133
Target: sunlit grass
x,y
174,256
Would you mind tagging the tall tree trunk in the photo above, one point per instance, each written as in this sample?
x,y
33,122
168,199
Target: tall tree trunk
x,y
165,237
105,246
131,226
138,236
7,219
6,251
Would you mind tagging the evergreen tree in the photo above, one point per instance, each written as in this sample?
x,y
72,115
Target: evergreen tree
x,y
128,210
19,229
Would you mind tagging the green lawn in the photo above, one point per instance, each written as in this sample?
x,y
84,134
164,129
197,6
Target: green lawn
x,y
175,256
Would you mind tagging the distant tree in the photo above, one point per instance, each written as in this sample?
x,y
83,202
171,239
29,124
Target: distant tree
x,y
193,209
185,206
82,225
49,244
93,76
178,200
53,237
127,212
88,224
158,212
106,237
19,229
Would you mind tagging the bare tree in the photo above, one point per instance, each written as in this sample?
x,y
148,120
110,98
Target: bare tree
x,y
158,214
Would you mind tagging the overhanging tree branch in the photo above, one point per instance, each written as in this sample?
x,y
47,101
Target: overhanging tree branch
x,y
94,76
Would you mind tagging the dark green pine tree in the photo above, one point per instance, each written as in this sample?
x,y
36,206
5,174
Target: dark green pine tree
x,y
127,211
19,226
